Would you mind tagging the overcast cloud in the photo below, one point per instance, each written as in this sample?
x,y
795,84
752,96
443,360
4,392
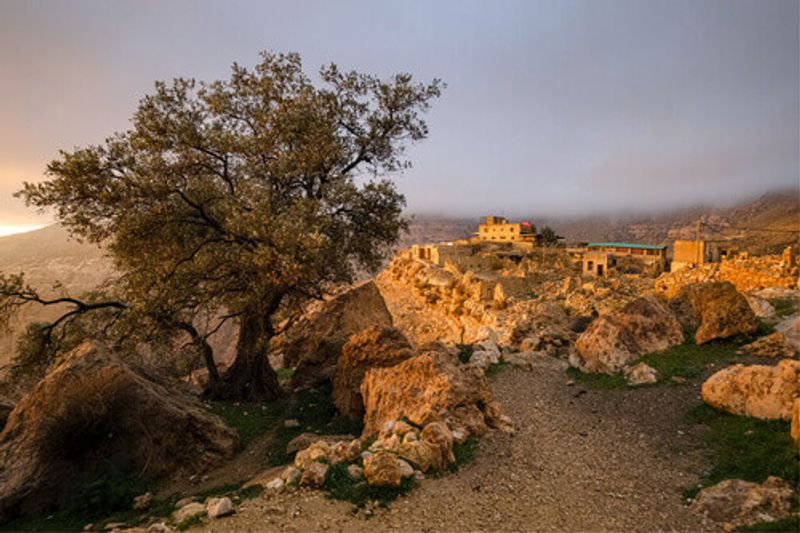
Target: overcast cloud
x,y
552,107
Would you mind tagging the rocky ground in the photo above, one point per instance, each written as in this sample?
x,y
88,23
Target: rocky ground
x,y
581,460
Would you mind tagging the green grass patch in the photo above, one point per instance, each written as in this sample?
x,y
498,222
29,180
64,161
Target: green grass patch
x,y
783,306
597,381
190,522
495,368
789,524
285,374
746,448
689,360
250,420
340,486
465,353
464,452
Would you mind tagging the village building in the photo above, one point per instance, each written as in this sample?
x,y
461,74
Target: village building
x,y
498,229
652,255
697,252
597,263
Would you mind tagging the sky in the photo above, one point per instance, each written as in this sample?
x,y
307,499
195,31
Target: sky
x,y
551,108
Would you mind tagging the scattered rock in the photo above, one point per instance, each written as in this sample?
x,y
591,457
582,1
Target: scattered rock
x,y
771,346
742,503
159,527
318,451
188,511
641,374
760,306
93,404
313,346
717,309
219,507
304,440
183,502
431,387
386,469
755,390
355,472
276,485
790,329
291,423
142,502
617,339
291,475
314,475
371,348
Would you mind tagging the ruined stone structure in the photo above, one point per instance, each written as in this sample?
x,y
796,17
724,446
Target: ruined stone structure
x,y
597,263
653,255
498,229
697,252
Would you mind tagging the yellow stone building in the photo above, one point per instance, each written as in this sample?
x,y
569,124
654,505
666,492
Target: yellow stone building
x,y
498,229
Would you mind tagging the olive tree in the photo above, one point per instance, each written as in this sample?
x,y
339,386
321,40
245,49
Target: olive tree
x,y
244,197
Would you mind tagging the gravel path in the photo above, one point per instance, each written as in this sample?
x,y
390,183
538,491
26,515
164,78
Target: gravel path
x,y
587,460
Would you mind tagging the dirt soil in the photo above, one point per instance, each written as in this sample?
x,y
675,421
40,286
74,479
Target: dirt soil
x,y
581,460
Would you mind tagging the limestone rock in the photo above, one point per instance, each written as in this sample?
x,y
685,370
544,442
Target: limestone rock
x,y
188,511
742,503
431,387
277,485
313,346
755,390
291,475
641,374
760,306
92,405
355,472
438,437
316,452
371,348
386,469
304,440
771,346
219,507
790,329
314,475
717,309
142,502
615,340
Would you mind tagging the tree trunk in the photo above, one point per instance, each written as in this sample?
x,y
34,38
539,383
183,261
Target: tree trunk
x,y
250,377
205,350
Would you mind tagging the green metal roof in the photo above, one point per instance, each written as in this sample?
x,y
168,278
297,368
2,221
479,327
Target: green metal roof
x,y
626,245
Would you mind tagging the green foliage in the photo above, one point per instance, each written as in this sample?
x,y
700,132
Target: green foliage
x,y
783,306
689,360
788,524
746,447
548,236
495,368
465,353
340,486
285,374
250,419
464,452
189,522
597,381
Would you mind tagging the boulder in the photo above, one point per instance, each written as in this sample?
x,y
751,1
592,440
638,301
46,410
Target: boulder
x,y
313,346
431,387
617,339
761,391
386,469
438,437
314,475
318,451
760,306
93,405
716,309
790,329
772,346
742,503
641,374
188,511
219,507
371,348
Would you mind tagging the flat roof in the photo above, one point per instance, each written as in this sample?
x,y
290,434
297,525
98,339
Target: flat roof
x,y
626,245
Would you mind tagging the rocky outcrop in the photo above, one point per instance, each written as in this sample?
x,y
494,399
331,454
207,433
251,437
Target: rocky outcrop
x,y
431,387
738,503
618,339
716,309
755,390
93,406
372,348
772,346
313,346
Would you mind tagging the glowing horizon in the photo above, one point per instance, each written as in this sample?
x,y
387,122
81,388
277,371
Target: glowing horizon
x,y
6,230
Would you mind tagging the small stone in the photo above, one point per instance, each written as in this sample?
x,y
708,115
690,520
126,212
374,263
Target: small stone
x,y
291,475
355,472
159,527
183,502
142,502
188,511
418,476
678,379
219,507
570,383
114,525
88,527
314,475
276,485
291,423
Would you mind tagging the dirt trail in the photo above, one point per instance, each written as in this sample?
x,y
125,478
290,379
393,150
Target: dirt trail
x,y
581,460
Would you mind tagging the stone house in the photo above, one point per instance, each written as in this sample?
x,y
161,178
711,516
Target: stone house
x,y
498,229
696,252
653,255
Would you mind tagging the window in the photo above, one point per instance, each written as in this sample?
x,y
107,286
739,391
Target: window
x,y
590,266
